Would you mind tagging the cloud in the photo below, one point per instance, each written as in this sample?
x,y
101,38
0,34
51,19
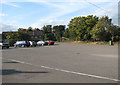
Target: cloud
x,y
66,7
7,27
53,22
11,4
6,2
112,12
61,0
71,7
2,14
62,9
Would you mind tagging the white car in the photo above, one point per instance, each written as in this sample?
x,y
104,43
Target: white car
x,y
42,43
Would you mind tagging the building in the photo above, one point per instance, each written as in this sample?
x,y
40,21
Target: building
x,y
36,35
0,37
119,13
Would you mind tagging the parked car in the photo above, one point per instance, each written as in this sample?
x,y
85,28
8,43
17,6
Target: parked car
x,y
33,43
50,42
3,44
22,44
42,43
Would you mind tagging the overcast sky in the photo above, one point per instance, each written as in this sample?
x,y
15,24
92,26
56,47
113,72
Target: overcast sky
x,y
37,13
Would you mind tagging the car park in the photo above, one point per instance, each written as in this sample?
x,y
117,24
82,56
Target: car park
x,y
33,43
22,44
4,44
50,42
42,43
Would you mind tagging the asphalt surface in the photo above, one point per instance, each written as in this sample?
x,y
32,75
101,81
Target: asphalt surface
x,y
61,63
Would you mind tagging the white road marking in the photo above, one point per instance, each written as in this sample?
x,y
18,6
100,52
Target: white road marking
x,y
78,73
106,55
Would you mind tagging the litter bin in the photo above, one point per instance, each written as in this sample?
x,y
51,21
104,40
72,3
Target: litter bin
x,y
110,43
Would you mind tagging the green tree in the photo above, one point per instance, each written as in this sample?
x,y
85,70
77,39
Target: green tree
x,y
48,33
59,31
36,29
99,32
80,27
29,29
12,37
45,37
66,33
47,29
113,31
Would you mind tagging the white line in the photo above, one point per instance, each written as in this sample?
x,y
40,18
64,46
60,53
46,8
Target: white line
x,y
78,73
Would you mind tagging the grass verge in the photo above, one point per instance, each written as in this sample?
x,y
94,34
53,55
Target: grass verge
x,y
88,42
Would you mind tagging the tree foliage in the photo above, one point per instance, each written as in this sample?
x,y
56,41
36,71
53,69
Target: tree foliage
x,y
47,30
80,27
29,29
92,28
66,33
11,37
59,31
89,28
104,30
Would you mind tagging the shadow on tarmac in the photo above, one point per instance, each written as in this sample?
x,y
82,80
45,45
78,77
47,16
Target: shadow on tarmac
x,y
11,62
12,71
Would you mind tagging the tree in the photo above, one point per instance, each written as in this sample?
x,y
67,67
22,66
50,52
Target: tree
x,y
59,31
22,30
99,32
45,37
80,27
66,33
36,29
23,36
48,33
47,29
113,31
12,37
30,29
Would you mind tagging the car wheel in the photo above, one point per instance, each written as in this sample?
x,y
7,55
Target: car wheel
x,y
23,46
8,47
15,46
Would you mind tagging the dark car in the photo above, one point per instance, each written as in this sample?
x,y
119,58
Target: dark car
x,y
22,44
3,44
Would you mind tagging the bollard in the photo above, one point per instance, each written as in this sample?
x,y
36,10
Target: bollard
x,y
110,43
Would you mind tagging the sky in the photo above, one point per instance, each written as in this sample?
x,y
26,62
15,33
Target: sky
x,y
16,14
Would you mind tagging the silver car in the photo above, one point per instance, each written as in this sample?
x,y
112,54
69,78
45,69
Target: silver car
x,y
3,44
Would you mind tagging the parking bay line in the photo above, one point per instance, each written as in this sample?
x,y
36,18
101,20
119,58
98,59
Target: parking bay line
x,y
73,72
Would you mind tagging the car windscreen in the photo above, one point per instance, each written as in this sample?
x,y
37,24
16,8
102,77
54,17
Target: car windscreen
x,y
51,41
